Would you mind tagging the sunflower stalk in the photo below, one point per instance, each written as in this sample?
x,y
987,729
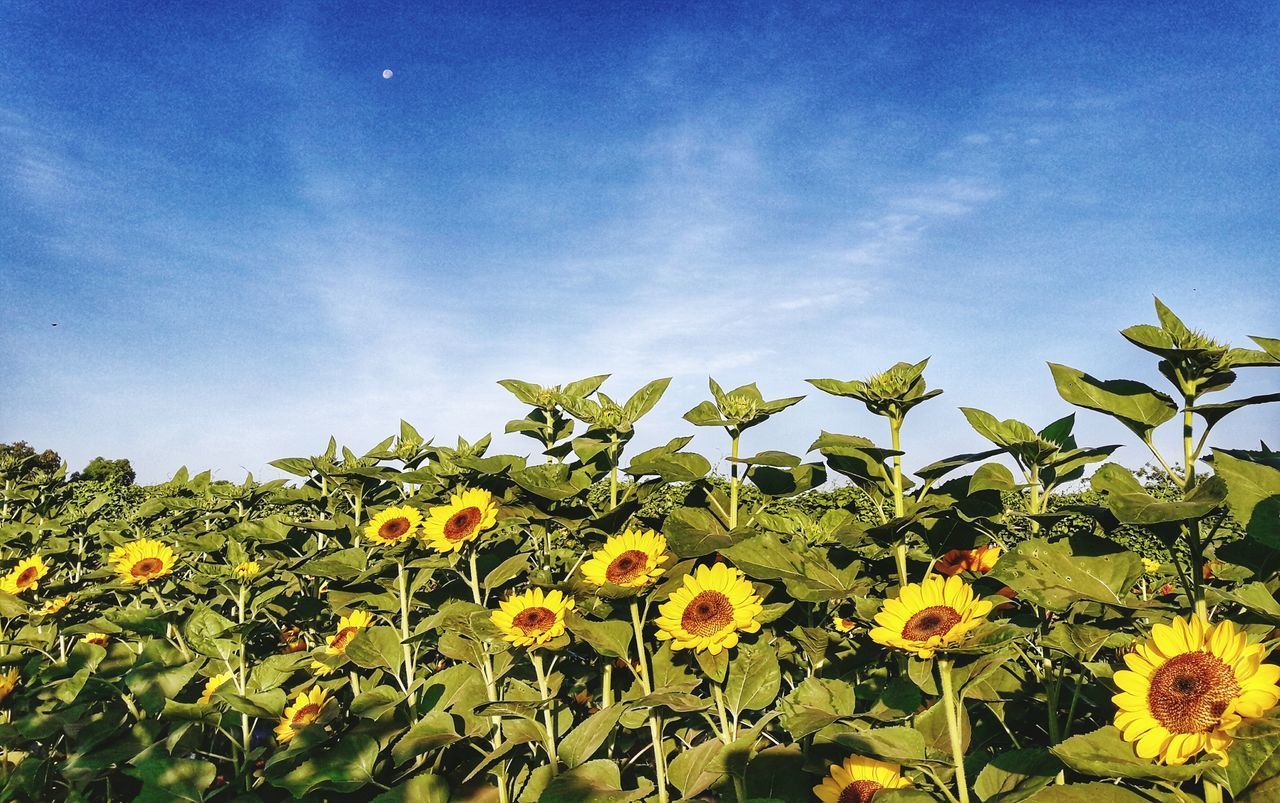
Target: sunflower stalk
x,y
952,710
733,479
899,505
404,630
548,712
646,683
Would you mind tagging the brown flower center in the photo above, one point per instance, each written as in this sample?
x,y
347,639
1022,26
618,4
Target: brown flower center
x,y
533,621
147,567
394,529
707,614
859,792
462,524
627,567
343,637
1191,691
936,620
28,577
305,715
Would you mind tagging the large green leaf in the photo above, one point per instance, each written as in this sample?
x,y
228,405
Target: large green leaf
x,y
754,677
1105,754
594,782
808,575
345,767
1137,406
583,741
1253,496
1058,574
376,647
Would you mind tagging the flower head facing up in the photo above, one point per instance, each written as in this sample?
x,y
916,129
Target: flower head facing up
x,y
631,560
99,639
469,513
929,616
978,560
142,561
858,779
247,570
394,525
211,686
25,576
306,709
708,612
1189,686
8,682
532,618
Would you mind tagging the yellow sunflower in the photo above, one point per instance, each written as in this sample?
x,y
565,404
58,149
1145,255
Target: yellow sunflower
x,y
348,627
8,682
56,604
468,514
858,779
25,576
212,685
929,616
842,624
247,570
394,525
1189,686
631,560
142,561
533,618
1150,566
100,639
306,709
709,610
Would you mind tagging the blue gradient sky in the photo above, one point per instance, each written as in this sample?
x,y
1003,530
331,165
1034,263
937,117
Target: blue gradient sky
x,y
251,240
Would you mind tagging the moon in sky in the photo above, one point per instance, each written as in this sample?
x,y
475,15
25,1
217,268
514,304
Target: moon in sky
x,y
387,73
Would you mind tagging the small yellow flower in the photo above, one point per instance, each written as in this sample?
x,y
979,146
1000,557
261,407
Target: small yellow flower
x,y
394,525
100,639
842,624
212,685
714,605
929,616
56,604
533,618
1189,687
1150,566
25,576
142,561
631,560
247,570
469,513
306,709
348,627
858,779
8,682
979,560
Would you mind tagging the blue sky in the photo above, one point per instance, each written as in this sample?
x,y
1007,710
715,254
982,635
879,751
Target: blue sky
x,y
251,240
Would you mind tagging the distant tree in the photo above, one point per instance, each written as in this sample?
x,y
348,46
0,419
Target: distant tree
x,y
13,453
100,469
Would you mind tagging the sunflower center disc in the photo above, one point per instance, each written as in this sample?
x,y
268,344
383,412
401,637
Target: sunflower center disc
x,y
936,620
394,529
1189,693
461,524
306,714
28,577
859,792
146,567
534,620
707,614
343,638
627,566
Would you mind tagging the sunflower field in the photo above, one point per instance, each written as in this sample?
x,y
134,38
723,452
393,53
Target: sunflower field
x,y
438,623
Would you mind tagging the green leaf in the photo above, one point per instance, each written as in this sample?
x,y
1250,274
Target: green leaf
x,y
346,767
373,703
643,400
1137,406
581,742
376,648
345,564
688,770
1253,768
1105,754
202,630
433,731
692,532
777,773
610,638
808,575
423,788
1145,509
1015,775
1058,574
1088,793
175,778
814,704
897,744
594,782
1253,496
754,678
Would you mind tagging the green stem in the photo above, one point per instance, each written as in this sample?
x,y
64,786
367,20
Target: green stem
x,y
953,728
404,630
613,473
1035,497
655,723
733,480
899,506
548,715
1212,792
607,681
245,730
726,729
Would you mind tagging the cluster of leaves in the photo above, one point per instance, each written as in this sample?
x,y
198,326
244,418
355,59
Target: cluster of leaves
x,y
430,703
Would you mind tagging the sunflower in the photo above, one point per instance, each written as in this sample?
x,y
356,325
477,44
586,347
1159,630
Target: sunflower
x,y
8,682
1189,686
929,616
631,560
348,627
708,611
533,618
56,604
394,525
142,561
858,779
25,576
842,624
247,570
979,560
468,514
305,710
100,639
1150,566
212,685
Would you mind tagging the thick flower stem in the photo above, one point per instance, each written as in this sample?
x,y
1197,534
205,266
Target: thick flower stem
x,y
245,730
899,506
548,715
953,727
1212,792
655,723
404,630
733,482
